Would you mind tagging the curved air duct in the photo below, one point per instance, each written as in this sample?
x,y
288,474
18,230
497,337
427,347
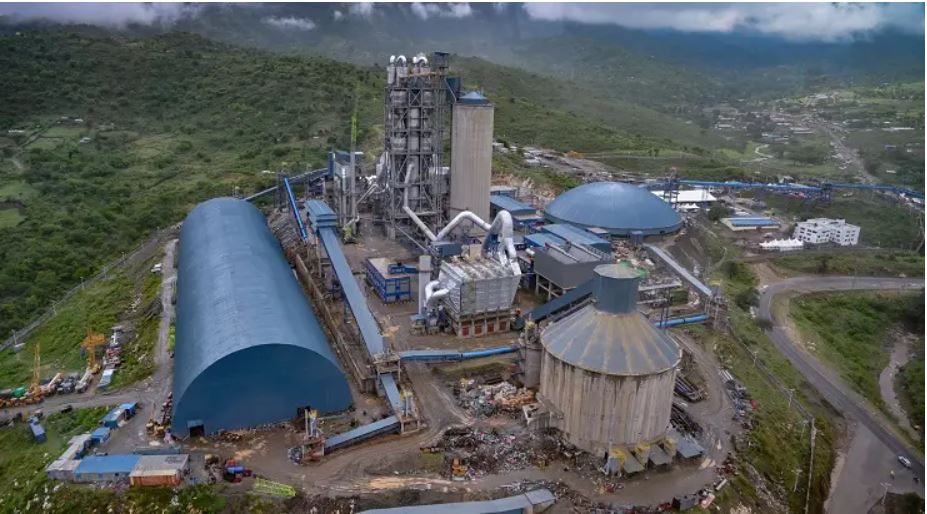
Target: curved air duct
x,y
501,227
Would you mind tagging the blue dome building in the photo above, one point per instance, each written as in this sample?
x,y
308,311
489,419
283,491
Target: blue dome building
x,y
619,208
249,348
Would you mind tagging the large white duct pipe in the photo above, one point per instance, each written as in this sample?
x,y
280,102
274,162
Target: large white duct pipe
x,y
432,296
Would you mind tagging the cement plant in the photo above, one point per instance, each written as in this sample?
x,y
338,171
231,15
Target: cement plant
x,y
412,331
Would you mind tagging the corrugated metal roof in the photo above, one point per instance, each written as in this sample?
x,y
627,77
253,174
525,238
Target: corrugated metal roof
x,y
753,222
510,204
614,206
147,464
610,336
541,239
616,344
107,464
578,236
249,347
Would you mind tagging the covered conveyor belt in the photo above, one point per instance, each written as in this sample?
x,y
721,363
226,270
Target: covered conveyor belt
x,y
452,355
322,219
565,301
682,272
535,501
362,433
309,176
685,320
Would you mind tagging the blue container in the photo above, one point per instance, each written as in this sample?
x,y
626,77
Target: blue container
x,y
390,287
38,433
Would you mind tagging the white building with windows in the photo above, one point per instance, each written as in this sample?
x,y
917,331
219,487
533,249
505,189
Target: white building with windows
x,y
826,230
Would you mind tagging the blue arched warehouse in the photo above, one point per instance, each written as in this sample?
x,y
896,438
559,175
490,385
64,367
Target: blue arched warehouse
x,y
249,349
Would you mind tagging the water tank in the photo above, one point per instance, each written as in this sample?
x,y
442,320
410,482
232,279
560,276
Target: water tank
x,y
471,155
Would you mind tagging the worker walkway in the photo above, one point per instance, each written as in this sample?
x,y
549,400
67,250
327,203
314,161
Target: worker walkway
x,y
534,501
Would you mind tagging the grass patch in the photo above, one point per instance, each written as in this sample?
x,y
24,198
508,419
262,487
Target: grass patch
x,y
97,307
17,190
856,262
848,331
22,461
912,389
10,217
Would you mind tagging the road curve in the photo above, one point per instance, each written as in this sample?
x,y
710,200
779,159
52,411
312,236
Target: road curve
x,y
849,404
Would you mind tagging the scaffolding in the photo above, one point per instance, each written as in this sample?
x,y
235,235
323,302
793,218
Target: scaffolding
x,y
413,165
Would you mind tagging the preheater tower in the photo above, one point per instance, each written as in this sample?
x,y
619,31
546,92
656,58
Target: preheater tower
x,y
608,374
471,155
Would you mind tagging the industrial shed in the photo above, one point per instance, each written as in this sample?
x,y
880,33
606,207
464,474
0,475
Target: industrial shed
x,y
249,349
618,208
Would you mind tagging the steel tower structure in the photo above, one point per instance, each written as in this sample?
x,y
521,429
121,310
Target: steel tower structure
x,y
413,172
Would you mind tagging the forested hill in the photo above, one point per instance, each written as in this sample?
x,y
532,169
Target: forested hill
x,y
164,122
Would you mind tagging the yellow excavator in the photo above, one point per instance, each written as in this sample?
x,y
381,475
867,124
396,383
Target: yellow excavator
x,y
90,344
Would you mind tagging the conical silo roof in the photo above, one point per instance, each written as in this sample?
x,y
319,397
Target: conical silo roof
x,y
609,336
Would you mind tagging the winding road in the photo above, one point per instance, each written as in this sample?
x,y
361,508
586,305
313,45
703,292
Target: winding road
x,y
857,485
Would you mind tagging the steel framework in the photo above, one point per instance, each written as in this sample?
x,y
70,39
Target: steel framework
x,y
415,113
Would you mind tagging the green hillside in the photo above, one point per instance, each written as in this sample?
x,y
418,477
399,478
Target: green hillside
x,y
165,122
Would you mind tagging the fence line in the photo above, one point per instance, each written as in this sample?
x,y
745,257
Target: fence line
x,y
20,335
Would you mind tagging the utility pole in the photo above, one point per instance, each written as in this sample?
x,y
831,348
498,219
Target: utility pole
x,y
797,475
791,392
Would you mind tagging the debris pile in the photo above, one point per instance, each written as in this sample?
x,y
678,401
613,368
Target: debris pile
x,y
482,452
488,400
740,398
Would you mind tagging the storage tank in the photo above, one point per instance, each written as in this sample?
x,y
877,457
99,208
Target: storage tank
x,y
471,155
608,374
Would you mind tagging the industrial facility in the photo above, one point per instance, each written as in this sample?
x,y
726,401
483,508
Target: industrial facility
x,y
320,310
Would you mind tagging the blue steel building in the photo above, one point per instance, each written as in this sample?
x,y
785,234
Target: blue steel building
x,y
249,349
618,208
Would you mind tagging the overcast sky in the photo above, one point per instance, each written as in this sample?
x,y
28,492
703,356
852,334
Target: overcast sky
x,y
794,21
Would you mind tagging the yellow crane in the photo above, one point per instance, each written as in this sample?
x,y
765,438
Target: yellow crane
x,y
35,389
89,345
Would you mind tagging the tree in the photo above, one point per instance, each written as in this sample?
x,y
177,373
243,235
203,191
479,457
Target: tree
x,y
718,211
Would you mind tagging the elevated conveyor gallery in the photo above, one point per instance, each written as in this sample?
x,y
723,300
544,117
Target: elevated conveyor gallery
x,y
323,222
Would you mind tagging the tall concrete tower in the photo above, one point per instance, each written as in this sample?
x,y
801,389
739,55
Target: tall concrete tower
x,y
471,155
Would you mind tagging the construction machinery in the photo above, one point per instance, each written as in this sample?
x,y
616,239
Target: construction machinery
x,y
89,345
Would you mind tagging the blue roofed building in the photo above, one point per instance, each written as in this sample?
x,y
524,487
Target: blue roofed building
x,y
105,468
249,348
577,236
744,223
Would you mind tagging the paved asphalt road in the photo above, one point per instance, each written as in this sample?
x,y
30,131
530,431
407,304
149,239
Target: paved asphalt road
x,y
861,476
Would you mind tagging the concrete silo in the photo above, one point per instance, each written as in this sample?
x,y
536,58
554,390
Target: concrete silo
x,y
471,155
608,374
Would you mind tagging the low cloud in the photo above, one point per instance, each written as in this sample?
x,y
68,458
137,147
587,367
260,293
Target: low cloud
x,y
337,15
451,10
798,21
118,15
364,9
289,22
